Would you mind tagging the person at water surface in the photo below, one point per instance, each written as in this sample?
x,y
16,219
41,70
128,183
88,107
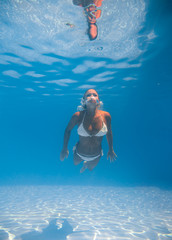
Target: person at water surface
x,y
93,124
92,12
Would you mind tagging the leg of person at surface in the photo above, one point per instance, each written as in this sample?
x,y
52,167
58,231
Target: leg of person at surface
x,y
82,3
92,13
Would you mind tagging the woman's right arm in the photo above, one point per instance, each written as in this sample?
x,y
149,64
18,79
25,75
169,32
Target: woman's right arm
x,y
73,121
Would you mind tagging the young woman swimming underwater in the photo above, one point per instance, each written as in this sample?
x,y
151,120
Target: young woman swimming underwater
x,y
93,124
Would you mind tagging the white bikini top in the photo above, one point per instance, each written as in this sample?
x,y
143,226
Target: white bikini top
x,y
82,132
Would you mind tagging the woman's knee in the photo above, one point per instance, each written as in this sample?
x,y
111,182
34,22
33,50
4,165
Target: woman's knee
x,y
76,159
76,162
93,164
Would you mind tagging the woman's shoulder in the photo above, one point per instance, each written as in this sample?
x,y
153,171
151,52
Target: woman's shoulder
x,y
78,115
105,114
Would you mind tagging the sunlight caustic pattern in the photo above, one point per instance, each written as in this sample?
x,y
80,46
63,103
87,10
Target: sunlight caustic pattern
x,y
93,213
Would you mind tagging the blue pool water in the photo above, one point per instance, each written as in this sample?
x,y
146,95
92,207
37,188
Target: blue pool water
x,y
46,66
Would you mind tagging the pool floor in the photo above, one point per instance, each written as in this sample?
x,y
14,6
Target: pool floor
x,y
85,213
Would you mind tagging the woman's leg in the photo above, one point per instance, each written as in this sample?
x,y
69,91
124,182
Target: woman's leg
x,y
92,164
76,158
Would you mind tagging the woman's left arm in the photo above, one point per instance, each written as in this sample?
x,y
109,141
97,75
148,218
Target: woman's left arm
x,y
111,154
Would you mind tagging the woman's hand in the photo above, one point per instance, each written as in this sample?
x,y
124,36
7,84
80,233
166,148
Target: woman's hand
x,y
64,153
112,155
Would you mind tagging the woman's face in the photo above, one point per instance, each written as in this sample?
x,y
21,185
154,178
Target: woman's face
x,y
91,97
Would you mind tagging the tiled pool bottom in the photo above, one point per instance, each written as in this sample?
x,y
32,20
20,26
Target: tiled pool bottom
x,y
85,213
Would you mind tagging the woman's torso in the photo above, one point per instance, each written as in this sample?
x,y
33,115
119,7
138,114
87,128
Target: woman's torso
x,y
93,130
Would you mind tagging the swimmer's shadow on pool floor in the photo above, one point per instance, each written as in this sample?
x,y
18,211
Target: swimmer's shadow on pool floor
x,y
50,232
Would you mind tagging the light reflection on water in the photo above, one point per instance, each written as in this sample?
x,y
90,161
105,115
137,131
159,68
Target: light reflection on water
x,y
42,26
42,57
